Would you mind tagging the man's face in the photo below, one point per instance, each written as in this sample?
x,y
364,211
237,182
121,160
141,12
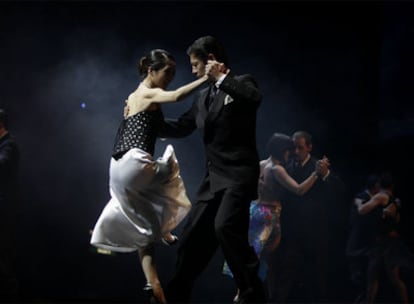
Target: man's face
x,y
198,67
301,148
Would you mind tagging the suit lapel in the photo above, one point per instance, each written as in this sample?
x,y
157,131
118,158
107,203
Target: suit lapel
x,y
202,109
218,103
216,106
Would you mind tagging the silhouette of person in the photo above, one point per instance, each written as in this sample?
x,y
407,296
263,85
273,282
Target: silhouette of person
x,y
9,164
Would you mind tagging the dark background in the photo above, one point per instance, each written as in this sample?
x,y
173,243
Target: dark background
x,y
341,70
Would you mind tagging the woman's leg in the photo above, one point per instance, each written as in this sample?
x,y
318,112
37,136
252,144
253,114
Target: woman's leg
x,y
148,266
398,283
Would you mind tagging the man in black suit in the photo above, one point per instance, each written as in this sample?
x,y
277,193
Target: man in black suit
x,y
9,158
225,115
304,254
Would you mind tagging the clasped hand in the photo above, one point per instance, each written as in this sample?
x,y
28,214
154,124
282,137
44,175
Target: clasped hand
x,y
322,166
215,69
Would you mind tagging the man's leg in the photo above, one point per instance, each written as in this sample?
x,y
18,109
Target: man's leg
x,y
357,268
317,262
289,263
231,228
198,244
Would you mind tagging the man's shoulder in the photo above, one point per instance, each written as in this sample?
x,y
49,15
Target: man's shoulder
x,y
363,195
241,77
244,77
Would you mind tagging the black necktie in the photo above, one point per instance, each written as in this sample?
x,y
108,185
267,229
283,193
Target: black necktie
x,y
211,95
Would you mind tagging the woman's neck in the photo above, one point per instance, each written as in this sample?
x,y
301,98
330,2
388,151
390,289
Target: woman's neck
x,y
275,161
146,83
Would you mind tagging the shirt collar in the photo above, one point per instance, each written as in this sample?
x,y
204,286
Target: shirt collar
x,y
305,160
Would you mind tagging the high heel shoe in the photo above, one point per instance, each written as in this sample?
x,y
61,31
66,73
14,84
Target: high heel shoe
x,y
150,293
172,242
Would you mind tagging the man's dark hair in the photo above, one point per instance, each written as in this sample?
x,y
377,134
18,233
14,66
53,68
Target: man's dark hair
x,y
303,134
208,45
3,118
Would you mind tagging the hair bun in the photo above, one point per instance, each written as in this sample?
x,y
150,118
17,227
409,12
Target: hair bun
x,y
143,65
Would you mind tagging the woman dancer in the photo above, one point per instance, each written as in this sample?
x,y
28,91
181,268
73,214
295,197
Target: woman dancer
x,y
148,197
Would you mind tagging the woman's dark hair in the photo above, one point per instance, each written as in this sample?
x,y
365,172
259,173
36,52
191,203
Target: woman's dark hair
x,y
278,144
208,45
372,181
156,60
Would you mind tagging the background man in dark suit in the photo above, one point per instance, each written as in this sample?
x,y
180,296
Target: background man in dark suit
x,y
304,254
9,158
225,115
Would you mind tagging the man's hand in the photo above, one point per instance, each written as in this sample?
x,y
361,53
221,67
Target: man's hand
x,y
390,211
215,69
322,166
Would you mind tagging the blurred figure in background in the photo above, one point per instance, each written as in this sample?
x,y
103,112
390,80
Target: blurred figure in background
x,y
9,162
359,237
387,253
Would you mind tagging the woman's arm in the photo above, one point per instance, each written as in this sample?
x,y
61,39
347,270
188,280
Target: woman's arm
x,y
157,95
143,97
289,183
377,200
181,127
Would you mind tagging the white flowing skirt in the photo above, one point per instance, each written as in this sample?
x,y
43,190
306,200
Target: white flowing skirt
x,y
148,200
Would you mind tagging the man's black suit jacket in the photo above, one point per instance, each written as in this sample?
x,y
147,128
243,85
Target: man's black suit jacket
x,y
228,130
312,212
